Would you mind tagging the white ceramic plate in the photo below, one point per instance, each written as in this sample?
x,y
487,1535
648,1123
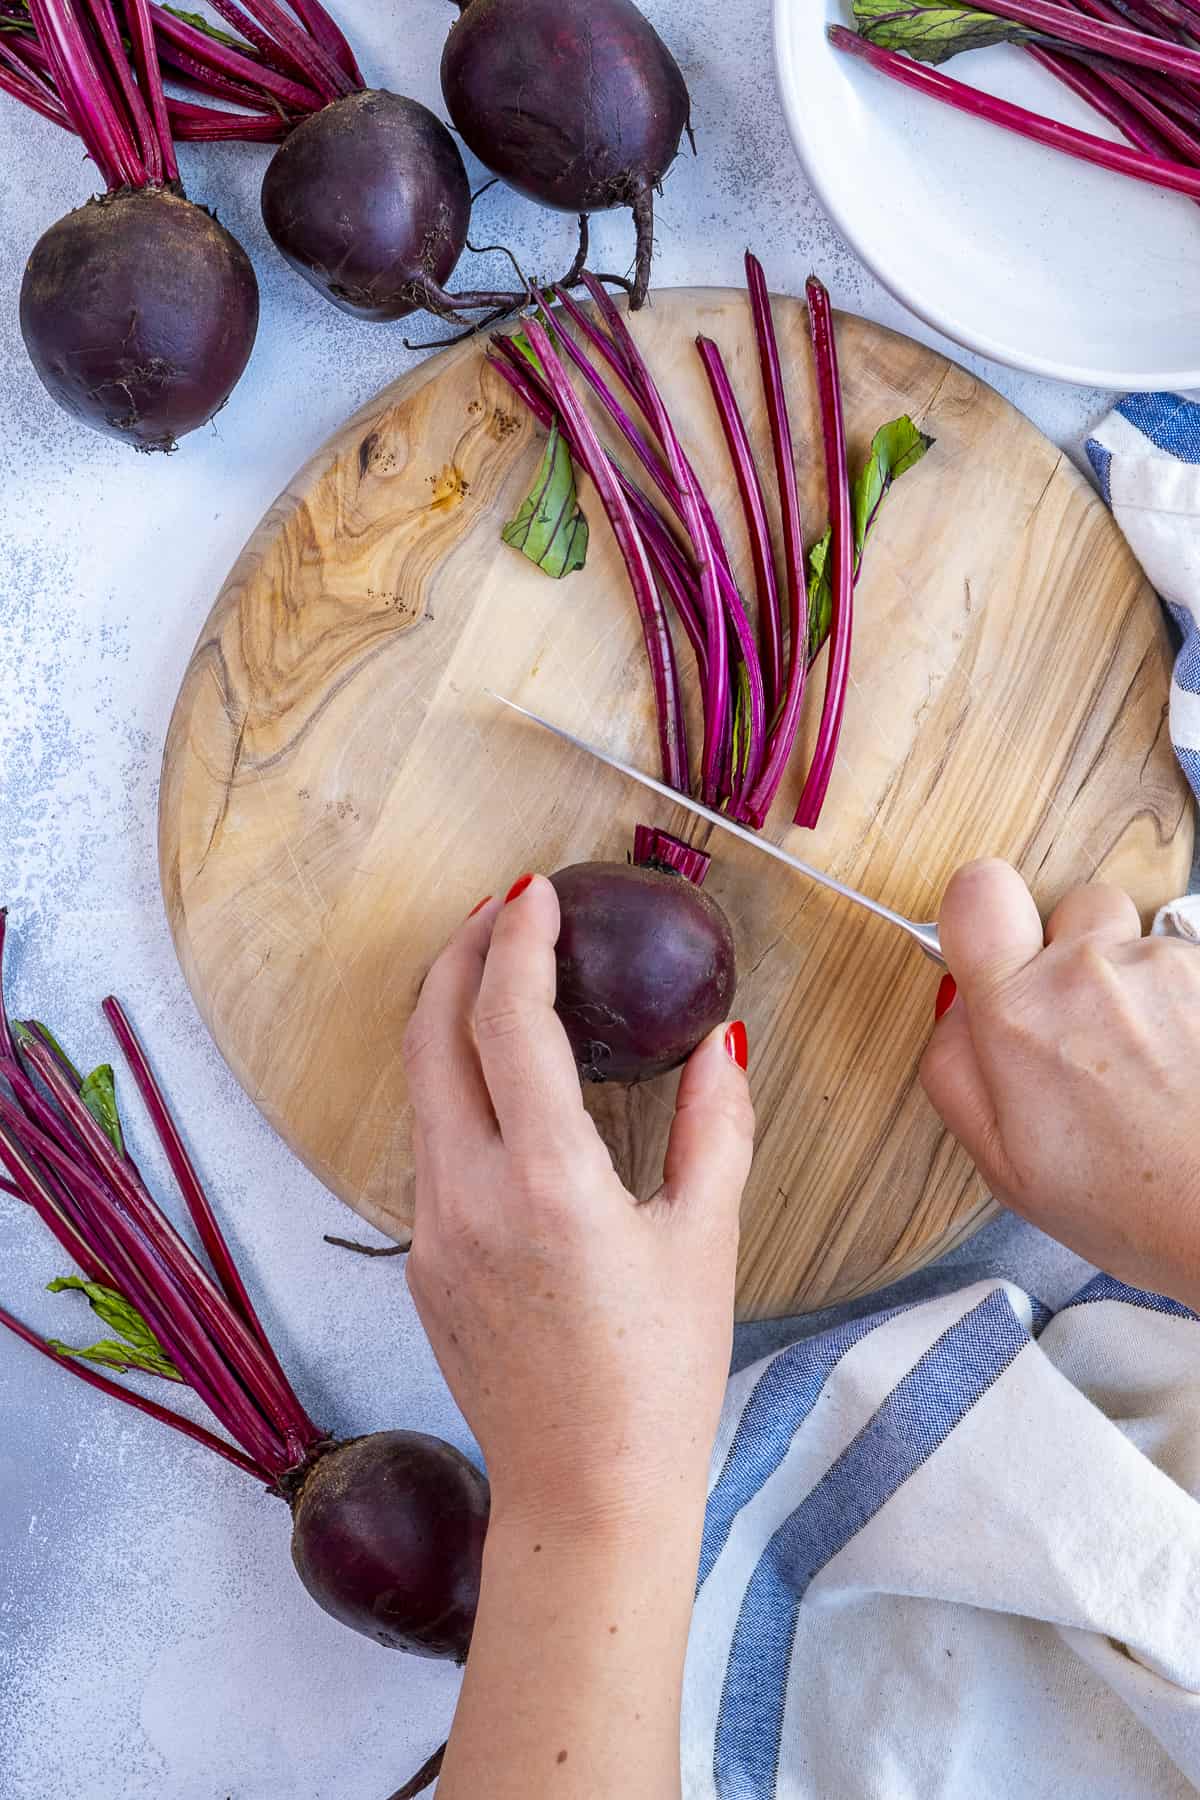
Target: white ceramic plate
x,y
1016,251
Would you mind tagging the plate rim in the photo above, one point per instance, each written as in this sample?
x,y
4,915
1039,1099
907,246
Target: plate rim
x,y
1078,375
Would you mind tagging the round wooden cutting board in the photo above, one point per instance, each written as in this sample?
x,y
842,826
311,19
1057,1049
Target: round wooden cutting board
x,y
338,789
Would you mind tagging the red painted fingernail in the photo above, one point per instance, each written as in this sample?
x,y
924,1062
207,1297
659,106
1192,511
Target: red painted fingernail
x,y
479,906
946,994
518,888
736,1045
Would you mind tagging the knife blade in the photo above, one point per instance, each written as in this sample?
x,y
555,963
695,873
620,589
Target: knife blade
x,y
923,932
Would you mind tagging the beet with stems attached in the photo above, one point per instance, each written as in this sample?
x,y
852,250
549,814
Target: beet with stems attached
x,y
139,311
576,103
646,968
388,1529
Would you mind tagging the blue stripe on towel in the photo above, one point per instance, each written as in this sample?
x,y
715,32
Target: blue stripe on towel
x,y
1107,1287
1171,424
1101,461
782,1398
916,1418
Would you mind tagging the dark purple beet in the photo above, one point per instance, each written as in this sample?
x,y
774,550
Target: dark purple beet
x,y
577,103
370,201
646,968
139,313
388,1536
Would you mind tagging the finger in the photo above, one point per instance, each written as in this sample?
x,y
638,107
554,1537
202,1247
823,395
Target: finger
x,y
712,1134
1104,915
523,1050
959,1094
989,927
445,1081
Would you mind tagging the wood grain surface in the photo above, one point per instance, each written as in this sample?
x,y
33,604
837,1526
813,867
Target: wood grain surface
x,y
338,790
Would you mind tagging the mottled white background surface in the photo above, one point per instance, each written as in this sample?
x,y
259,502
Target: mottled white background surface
x,y
154,1643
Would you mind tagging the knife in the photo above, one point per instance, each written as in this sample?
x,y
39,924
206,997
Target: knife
x,y
925,934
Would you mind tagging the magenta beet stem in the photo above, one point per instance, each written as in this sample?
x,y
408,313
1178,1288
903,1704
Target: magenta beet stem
x,y
837,477
222,58
1140,164
162,1413
145,54
1142,120
654,848
327,33
81,89
195,1198
659,649
754,507
1120,41
783,736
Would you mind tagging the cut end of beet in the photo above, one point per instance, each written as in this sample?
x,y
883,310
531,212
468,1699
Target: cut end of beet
x,y
655,849
139,312
388,1537
645,969
369,200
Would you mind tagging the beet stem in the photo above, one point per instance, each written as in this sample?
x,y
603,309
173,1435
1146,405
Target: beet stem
x,y
1120,41
1139,164
25,84
655,630
1141,119
145,51
754,507
783,736
163,1414
321,26
82,92
195,1198
837,474
127,90
281,40
220,57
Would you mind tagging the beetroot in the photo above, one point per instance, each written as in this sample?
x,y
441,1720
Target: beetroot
x,y
139,313
577,103
138,310
646,968
370,201
388,1537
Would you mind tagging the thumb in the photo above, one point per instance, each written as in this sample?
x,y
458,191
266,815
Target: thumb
x,y
712,1135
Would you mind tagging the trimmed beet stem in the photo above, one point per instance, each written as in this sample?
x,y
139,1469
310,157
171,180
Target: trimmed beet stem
x,y
754,507
837,475
717,708
637,379
783,737
1139,164
163,1414
1143,122
655,630
1119,41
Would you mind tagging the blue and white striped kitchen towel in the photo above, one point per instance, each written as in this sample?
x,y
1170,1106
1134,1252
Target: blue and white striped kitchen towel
x,y
952,1552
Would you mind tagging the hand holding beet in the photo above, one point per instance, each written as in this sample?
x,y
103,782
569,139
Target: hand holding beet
x,y
585,1337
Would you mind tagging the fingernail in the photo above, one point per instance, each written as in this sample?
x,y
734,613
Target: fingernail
x,y
518,888
736,1045
479,906
947,991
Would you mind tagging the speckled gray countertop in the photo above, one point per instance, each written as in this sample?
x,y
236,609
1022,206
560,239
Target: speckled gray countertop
x,y
154,1642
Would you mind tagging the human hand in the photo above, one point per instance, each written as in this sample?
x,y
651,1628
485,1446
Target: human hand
x,y
1067,1068
585,1337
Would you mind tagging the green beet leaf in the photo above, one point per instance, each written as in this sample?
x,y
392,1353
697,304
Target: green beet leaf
x,y
932,33
550,528
895,448
99,1095
140,1350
